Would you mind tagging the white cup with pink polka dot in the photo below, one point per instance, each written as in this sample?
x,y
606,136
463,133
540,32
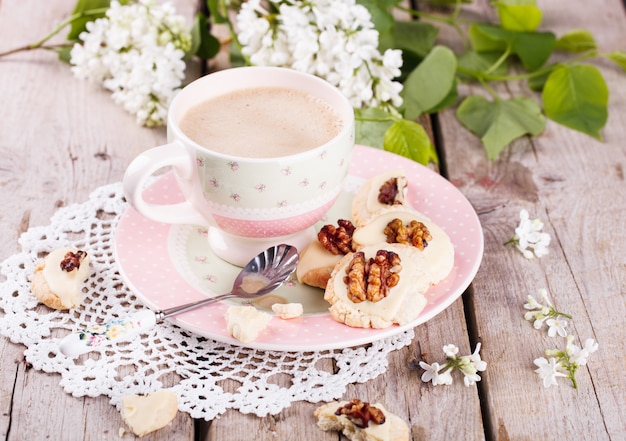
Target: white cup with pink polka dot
x,y
249,202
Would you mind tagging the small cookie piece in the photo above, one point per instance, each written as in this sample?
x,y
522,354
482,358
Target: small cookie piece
x,y
381,193
145,414
336,416
317,260
403,302
58,278
438,250
316,265
246,322
288,311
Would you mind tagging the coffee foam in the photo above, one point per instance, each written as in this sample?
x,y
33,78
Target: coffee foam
x,y
262,122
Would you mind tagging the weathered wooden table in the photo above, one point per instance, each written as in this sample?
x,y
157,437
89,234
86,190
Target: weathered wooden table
x,y
60,138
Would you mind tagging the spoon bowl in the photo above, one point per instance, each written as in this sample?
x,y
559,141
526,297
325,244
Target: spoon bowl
x,y
263,274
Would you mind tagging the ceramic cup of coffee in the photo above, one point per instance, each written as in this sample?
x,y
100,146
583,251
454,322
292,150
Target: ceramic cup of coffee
x,y
259,153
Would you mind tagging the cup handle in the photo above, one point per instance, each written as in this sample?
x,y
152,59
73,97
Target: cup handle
x,y
146,165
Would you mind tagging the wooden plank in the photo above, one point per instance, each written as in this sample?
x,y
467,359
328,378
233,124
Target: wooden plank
x,y
575,185
70,138
11,356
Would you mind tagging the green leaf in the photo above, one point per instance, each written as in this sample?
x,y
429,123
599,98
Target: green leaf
x,y
430,83
410,61
519,15
386,41
576,41
370,126
619,57
532,48
415,36
499,122
483,41
481,62
537,82
235,56
409,139
577,97
82,9
218,11
203,43
380,10
448,101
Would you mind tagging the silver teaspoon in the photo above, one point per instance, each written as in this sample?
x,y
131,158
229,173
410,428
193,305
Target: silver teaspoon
x,y
263,274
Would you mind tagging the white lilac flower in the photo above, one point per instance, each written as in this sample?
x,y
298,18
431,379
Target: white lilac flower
x,y
469,365
528,238
470,379
445,378
556,326
466,366
532,303
137,52
548,370
548,314
450,350
579,355
568,360
540,318
333,39
431,372
478,362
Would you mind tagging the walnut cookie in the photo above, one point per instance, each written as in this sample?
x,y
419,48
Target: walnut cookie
x,y
57,281
360,421
403,299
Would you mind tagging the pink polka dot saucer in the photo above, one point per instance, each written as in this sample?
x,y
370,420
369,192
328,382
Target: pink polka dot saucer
x,y
167,265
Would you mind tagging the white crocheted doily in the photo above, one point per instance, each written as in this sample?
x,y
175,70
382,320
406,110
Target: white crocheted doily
x,y
208,377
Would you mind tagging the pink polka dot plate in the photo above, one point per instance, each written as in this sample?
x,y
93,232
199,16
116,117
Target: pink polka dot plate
x,y
167,265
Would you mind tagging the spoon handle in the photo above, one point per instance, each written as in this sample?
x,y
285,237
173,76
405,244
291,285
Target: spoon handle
x,y
81,342
123,328
165,313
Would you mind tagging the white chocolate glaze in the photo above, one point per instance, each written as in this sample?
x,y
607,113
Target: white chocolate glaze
x,y
145,414
439,253
66,285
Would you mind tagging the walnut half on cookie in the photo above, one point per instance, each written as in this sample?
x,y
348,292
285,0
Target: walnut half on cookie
x,y
57,281
380,194
319,258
